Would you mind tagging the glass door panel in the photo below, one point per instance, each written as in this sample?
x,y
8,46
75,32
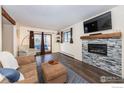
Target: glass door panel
x,y
47,43
37,42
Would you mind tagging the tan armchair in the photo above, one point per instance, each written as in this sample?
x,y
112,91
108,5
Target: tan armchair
x,y
24,60
26,51
27,66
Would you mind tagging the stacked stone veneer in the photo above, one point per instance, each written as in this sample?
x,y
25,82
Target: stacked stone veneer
x,y
111,62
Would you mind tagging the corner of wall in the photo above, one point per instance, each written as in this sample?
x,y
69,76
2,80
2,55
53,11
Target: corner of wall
x,y
15,41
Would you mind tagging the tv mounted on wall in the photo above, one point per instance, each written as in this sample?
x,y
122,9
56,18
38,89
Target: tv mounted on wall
x,y
100,23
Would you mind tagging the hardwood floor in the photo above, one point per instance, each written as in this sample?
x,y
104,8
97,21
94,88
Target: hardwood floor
x,y
88,72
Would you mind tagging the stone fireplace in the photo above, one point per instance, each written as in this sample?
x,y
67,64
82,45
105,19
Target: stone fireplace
x,y
105,54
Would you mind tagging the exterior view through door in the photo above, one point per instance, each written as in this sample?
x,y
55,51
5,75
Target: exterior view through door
x,y
47,43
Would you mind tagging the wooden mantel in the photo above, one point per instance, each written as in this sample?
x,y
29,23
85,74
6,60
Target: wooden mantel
x,y
103,36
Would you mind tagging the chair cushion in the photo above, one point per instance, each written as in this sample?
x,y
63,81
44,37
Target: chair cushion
x,y
8,60
11,74
23,60
30,72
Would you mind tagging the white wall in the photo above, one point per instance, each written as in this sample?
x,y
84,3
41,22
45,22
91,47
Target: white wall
x,y
7,38
118,22
23,32
75,49
55,45
0,29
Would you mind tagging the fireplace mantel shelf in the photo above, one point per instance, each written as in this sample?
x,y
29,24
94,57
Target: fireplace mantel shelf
x,y
103,36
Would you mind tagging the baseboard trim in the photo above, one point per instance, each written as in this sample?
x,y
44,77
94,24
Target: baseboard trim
x,y
70,56
66,55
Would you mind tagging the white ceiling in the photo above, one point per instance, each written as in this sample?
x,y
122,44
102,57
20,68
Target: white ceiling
x,y
53,17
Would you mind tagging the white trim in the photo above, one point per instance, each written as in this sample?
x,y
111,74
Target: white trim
x,y
14,41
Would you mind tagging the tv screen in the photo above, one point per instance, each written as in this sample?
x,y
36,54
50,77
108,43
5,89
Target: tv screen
x,y
102,22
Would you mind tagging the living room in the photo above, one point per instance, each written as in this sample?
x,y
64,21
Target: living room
x,y
61,46
65,43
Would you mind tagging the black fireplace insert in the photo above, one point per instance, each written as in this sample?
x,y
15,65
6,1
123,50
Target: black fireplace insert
x,y
98,49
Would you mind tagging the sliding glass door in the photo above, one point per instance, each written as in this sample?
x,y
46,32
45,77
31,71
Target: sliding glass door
x,y
47,43
37,43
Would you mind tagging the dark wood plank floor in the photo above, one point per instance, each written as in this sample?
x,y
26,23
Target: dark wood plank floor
x,y
88,72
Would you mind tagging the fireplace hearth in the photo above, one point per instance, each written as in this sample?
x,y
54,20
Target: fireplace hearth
x,y
98,49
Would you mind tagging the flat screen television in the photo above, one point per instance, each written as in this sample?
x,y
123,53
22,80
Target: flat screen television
x,y
100,23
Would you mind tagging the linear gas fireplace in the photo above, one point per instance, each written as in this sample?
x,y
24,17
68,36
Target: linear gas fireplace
x,y
98,49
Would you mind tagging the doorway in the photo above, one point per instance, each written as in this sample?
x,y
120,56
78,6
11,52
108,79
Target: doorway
x,y
7,36
8,33
47,43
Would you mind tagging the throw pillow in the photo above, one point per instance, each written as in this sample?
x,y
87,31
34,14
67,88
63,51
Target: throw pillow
x,y
11,74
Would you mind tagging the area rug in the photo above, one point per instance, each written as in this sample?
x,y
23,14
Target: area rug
x,y
73,77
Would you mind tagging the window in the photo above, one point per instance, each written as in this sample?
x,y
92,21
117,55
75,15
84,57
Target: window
x,y
67,36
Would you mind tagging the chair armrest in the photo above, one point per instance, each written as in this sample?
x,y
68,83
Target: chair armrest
x,y
23,60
